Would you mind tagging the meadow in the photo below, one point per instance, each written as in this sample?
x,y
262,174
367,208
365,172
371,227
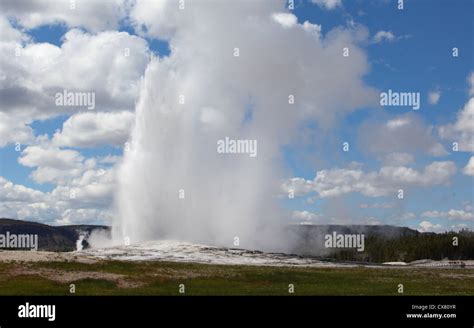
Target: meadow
x,y
166,278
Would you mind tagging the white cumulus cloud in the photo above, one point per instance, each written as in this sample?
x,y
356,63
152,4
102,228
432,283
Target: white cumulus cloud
x,y
286,20
386,181
90,129
462,130
328,4
381,36
469,168
427,226
107,64
91,15
452,214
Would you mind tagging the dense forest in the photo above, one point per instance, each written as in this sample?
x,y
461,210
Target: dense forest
x,y
411,248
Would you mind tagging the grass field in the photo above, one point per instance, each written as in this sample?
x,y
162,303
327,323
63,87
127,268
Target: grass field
x,y
162,278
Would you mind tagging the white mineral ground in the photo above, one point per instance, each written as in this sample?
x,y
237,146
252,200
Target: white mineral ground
x,y
175,251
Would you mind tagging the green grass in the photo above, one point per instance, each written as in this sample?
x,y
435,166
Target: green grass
x,y
163,278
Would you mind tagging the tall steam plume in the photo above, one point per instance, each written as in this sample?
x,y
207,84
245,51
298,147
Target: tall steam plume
x,y
233,71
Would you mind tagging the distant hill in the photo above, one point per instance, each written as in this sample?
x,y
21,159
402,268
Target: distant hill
x,y
50,238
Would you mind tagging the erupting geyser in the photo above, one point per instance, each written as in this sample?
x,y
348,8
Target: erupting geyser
x,y
245,71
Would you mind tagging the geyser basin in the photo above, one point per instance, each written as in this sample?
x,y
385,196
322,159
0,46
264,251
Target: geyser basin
x,y
176,251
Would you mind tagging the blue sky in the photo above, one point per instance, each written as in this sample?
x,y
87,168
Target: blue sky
x,y
418,58
421,60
